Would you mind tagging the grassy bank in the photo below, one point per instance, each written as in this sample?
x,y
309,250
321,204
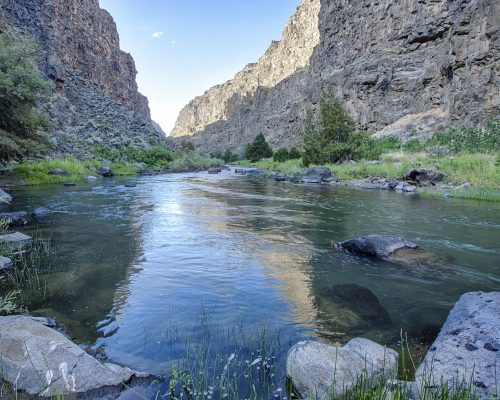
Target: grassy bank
x,y
480,170
123,162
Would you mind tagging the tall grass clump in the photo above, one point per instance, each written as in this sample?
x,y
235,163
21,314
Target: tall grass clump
x,y
153,157
32,264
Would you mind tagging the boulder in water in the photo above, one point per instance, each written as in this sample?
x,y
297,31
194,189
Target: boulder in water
x,y
43,362
376,245
107,172
5,197
15,238
320,370
5,263
145,172
214,170
467,350
41,212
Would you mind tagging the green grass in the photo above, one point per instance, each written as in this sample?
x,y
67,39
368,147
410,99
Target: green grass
x,y
37,172
480,170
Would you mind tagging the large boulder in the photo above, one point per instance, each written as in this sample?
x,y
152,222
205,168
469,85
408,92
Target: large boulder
x,y
15,238
317,175
5,263
323,371
214,170
18,218
467,350
107,172
425,176
59,171
351,307
376,245
43,362
5,197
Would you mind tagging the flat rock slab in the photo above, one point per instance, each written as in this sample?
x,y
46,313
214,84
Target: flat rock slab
x,y
317,175
15,238
41,361
467,348
324,371
18,218
41,212
5,263
376,245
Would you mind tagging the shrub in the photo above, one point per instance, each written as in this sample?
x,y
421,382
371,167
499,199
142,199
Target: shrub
x,y
258,149
334,140
21,87
155,156
284,154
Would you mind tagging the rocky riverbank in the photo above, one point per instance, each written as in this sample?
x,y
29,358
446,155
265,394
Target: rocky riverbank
x,y
37,358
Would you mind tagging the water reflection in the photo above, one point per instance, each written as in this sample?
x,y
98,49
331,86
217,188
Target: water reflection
x,y
136,268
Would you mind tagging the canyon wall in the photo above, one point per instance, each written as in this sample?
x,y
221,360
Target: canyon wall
x,y
97,100
404,68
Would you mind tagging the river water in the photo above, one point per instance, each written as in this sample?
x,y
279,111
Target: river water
x,y
137,270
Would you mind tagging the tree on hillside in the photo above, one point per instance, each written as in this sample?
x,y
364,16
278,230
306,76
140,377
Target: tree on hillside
x,y
258,149
333,138
21,86
21,89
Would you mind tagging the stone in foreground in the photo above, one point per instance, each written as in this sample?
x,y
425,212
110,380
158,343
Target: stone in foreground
x,y
317,175
467,348
5,263
15,238
42,361
324,371
5,197
376,245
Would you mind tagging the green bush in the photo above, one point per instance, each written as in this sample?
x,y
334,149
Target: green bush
x,y
191,162
21,89
155,156
258,149
333,139
284,154
469,140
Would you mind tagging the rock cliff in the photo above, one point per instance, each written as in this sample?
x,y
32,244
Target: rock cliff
x,y
403,68
97,99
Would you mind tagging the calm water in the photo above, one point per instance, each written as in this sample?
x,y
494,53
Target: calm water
x,y
137,268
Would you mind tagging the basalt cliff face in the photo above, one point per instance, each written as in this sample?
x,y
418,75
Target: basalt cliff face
x,y
97,100
404,68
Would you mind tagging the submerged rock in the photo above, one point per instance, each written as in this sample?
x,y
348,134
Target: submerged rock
x,y
351,307
317,175
5,197
69,184
58,171
41,212
5,263
467,349
43,362
107,172
321,370
15,238
376,245
18,218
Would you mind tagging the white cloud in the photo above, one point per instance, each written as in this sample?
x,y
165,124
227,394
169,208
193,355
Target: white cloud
x,y
158,34
173,42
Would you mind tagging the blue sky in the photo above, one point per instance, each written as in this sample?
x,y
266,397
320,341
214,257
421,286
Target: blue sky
x,y
183,47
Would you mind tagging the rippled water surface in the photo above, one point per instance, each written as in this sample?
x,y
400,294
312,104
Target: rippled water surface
x,y
136,269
